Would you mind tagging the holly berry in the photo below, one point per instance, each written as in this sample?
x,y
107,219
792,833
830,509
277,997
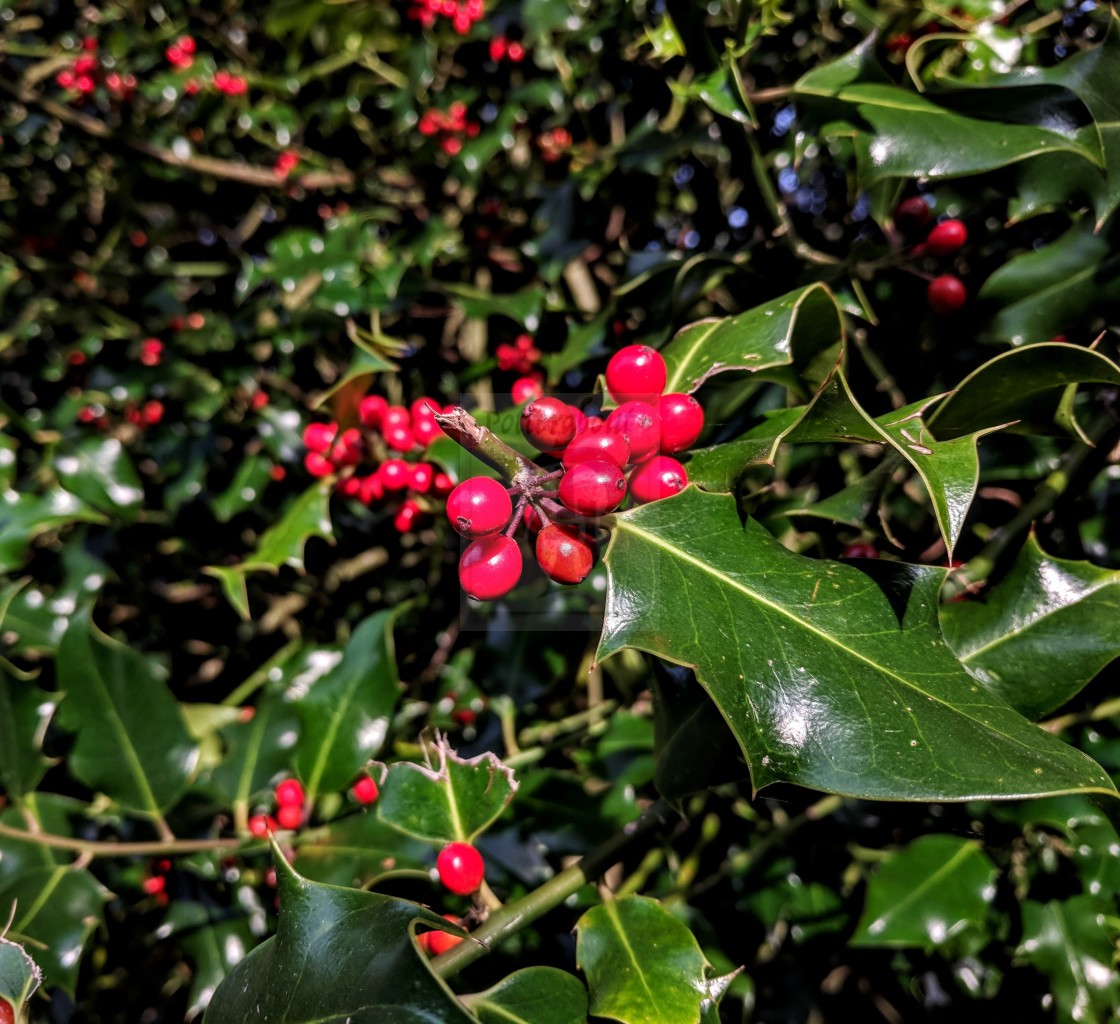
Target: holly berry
x,y
261,824
442,485
400,438
564,555
425,431
860,549
365,791
479,507
371,411
636,373
460,868
8,1015
289,793
420,478
318,465
393,474
912,213
548,424
435,942
396,416
604,445
946,237
946,294
406,516
318,437
290,816
656,478
490,567
526,389
640,424
593,488
682,419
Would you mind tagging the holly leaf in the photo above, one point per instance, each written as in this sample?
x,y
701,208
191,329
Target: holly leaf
x,y
358,849
215,949
642,963
19,974
131,741
338,955
23,517
57,909
100,472
1041,634
1068,941
534,995
786,338
829,678
345,713
1025,384
930,895
25,713
453,800
59,815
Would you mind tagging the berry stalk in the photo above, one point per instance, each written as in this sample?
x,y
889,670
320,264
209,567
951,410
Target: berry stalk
x,y
462,427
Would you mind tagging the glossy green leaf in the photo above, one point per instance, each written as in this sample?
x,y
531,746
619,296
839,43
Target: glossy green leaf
x,y
583,341
809,908
524,306
23,517
19,974
1045,292
257,751
800,330
533,995
1041,634
1025,384
829,679
99,471
363,366
244,490
131,741
1069,942
338,955
282,544
345,713
356,849
25,712
719,467
56,911
928,894
214,948
642,964
448,800
60,815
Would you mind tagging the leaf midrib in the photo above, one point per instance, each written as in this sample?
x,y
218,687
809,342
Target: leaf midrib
x,y
612,913
928,882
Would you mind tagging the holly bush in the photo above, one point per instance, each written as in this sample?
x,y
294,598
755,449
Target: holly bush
x,y
825,727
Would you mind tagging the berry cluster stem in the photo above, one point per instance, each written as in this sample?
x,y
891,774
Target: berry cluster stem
x,y
463,428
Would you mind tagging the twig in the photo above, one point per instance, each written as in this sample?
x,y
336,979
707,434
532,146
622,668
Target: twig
x,y
112,848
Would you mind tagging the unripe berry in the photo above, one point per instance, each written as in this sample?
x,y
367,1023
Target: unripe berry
x,y
563,553
479,507
597,443
593,488
946,294
393,474
636,373
290,816
946,237
656,478
371,410
365,791
640,424
289,793
460,868
490,568
548,424
682,419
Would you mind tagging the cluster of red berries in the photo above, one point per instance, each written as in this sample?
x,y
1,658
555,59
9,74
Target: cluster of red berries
x,y
84,72
141,416
602,462
448,127
522,357
554,144
180,54
461,869
285,163
151,352
227,84
946,293
155,884
331,450
502,48
461,13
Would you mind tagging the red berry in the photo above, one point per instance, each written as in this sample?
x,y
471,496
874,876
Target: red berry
x,y
371,409
531,519
350,487
290,816
548,424
349,449
636,373
420,478
912,213
407,516
151,412
640,424
563,553
946,237
423,409
425,431
365,791
396,416
860,549
400,438
659,477
946,294
460,868
435,942
526,389
154,885
490,568
372,489
442,485
261,824
320,436
289,793
682,419
393,474
597,443
318,465
593,488
479,507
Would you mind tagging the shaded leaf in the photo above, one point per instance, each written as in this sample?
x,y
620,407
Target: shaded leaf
x,y
25,712
1067,940
533,995
60,815
828,678
100,471
454,799
132,743
797,330
358,848
1042,633
928,895
642,964
338,955
23,517
345,713
256,751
